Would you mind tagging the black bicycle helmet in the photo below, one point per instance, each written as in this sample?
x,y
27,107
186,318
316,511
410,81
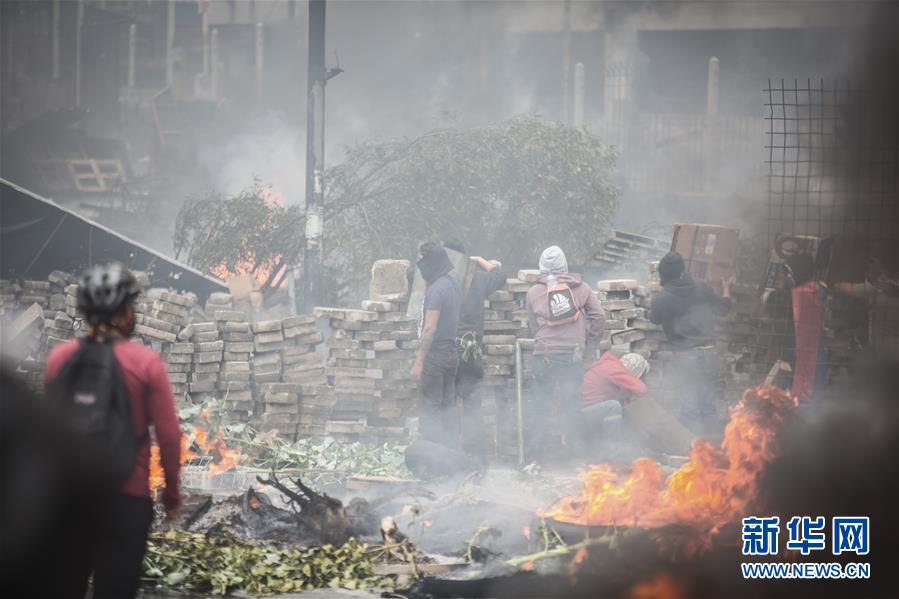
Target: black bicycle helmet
x,y
104,291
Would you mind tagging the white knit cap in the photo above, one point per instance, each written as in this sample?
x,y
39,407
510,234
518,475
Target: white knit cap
x,y
636,363
553,261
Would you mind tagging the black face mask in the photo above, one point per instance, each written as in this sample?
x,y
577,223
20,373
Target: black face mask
x,y
434,265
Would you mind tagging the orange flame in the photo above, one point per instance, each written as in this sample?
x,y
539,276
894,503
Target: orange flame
x,y
157,473
715,487
224,458
262,274
272,195
662,586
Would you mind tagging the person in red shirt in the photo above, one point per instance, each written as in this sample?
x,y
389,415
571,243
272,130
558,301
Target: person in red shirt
x,y
608,385
123,517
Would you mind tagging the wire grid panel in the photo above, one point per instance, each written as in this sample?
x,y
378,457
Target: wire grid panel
x,y
831,160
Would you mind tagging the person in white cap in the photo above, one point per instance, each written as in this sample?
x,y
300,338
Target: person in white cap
x,y
566,321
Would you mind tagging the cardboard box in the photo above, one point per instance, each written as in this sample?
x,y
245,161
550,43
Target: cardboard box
x,y
709,251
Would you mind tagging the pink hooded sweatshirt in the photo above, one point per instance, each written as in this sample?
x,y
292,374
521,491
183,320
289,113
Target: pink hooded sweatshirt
x,y
585,332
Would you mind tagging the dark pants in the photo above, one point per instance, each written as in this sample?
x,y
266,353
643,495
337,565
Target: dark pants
x,y
112,548
696,378
438,413
475,440
551,372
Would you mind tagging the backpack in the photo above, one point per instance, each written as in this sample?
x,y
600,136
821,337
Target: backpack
x,y
92,401
562,307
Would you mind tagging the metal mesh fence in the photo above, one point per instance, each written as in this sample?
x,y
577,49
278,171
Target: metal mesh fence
x,y
831,160
832,156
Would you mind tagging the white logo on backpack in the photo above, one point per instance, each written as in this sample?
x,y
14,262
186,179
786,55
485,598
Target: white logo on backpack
x,y
559,304
85,399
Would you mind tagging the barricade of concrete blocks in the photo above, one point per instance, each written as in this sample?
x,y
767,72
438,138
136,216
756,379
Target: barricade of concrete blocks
x,y
619,302
233,336
217,301
505,322
269,374
287,371
370,355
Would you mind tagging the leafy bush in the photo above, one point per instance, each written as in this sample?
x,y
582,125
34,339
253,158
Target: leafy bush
x,y
508,190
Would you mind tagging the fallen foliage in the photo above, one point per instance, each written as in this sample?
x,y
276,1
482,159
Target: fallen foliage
x,y
220,564
324,459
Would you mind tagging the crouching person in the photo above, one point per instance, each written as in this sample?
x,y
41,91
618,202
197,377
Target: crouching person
x,y
436,361
609,385
566,321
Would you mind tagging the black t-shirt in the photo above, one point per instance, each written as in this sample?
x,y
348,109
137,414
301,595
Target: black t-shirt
x,y
444,295
471,314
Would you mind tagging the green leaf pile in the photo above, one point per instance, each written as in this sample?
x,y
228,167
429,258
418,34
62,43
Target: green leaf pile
x,y
220,564
325,453
324,459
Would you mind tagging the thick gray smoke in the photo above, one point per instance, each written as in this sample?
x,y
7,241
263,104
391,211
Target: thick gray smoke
x,y
268,149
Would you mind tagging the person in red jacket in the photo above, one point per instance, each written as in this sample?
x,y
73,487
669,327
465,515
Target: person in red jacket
x,y
810,367
121,522
610,384
614,379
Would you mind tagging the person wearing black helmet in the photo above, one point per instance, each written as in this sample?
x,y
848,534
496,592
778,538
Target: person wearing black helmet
x,y
108,390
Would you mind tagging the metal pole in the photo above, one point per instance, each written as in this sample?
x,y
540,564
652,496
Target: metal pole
x,y
55,40
214,63
710,138
566,65
170,44
132,52
315,148
519,401
260,49
578,120
79,24
205,30
711,95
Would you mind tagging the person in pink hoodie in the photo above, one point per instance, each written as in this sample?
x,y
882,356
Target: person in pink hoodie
x,y
566,321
